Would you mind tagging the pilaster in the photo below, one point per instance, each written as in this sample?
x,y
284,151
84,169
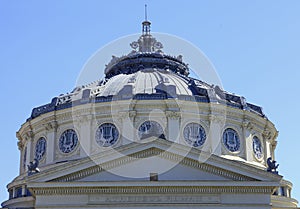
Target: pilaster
x,y
128,129
173,118
29,136
215,133
83,124
247,127
51,132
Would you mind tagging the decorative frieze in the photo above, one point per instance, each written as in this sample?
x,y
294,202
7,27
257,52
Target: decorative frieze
x,y
205,190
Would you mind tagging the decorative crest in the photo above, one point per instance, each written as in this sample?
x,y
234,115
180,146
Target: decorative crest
x,y
146,42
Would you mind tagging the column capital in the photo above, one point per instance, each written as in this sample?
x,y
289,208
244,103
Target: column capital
x,y
248,124
50,125
29,135
217,119
174,115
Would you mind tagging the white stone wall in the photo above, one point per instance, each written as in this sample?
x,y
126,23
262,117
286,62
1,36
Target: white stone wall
x,y
127,116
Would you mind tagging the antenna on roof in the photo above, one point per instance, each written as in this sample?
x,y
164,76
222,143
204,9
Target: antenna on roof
x,y
146,24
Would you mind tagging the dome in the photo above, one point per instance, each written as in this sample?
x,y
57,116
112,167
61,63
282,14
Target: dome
x,y
147,73
146,81
143,75
151,79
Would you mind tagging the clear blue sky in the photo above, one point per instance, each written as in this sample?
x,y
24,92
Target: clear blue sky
x,y
254,46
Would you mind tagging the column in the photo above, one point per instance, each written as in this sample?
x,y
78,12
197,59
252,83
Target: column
x,y
13,192
23,190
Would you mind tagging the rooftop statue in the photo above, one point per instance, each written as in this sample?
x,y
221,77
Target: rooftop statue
x,y
272,166
33,167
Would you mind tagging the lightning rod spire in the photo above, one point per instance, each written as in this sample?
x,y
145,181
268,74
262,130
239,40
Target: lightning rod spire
x,y
146,12
146,24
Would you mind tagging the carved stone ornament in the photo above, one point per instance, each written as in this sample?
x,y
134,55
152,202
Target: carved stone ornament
x,y
132,113
125,115
147,43
267,134
217,119
29,135
174,115
248,124
20,145
80,119
50,126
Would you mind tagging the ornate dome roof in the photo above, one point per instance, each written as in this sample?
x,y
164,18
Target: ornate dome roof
x,y
146,73
145,81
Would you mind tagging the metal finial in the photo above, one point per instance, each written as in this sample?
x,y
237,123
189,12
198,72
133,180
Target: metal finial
x,y
146,24
146,12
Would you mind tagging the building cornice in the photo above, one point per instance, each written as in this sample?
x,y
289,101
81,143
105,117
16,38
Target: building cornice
x,y
146,187
78,169
19,202
282,201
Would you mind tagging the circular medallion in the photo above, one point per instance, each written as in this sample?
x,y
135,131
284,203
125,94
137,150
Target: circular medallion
x,y
107,135
151,129
40,148
231,140
68,141
257,148
194,134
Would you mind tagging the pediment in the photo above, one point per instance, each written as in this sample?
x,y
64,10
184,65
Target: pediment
x,y
135,162
141,170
